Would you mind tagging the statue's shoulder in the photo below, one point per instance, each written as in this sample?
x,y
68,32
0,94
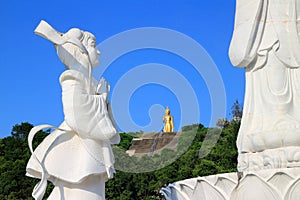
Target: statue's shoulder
x,y
71,75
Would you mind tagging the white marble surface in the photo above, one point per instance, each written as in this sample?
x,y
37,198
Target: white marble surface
x,y
273,184
266,43
77,157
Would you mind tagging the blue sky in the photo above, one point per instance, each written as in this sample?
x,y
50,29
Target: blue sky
x,y
31,69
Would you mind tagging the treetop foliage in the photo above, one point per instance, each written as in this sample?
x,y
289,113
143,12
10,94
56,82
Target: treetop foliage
x,y
14,155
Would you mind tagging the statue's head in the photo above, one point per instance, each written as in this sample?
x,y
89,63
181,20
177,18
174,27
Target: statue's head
x,y
76,48
79,51
167,111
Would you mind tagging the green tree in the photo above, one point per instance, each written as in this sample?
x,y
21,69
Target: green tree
x,y
126,141
133,185
14,155
236,110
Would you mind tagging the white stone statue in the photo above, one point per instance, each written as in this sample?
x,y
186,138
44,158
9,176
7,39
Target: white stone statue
x,y
77,157
266,43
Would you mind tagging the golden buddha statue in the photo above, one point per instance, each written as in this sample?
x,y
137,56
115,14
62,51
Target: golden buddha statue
x,y
168,120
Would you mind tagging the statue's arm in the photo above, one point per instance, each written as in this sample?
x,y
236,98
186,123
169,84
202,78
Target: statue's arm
x,y
86,114
248,30
103,88
116,139
172,124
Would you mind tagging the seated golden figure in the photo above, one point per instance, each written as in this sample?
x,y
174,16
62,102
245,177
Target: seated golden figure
x,y
168,120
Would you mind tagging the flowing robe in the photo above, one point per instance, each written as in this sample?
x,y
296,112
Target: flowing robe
x,y
82,145
266,42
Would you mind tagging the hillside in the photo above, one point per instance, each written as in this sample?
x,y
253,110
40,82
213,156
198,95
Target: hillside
x,y
135,178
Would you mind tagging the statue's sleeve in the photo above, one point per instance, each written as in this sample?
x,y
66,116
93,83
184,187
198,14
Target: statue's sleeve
x,y
86,114
248,30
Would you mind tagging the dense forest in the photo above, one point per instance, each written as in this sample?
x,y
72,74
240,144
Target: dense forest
x,y
14,154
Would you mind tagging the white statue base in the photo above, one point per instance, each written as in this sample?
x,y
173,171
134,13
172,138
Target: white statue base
x,y
285,157
275,184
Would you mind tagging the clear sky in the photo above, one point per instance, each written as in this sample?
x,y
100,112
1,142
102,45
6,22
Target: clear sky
x,y
30,89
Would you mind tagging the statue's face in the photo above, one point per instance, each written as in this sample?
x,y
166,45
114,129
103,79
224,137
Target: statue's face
x,y
94,53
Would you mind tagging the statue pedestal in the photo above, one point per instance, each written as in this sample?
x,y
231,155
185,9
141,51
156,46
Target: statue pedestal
x,y
153,143
275,184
